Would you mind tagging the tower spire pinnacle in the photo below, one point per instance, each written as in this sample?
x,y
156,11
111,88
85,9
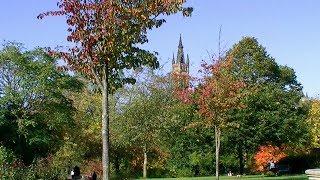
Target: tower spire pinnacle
x,y
173,60
180,67
180,42
180,55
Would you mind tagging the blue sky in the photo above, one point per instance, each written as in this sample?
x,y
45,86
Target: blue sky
x,y
289,29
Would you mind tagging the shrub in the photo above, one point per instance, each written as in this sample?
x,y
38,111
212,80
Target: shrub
x,y
56,166
7,162
265,155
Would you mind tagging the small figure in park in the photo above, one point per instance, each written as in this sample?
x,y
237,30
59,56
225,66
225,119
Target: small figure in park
x,y
76,170
76,173
272,167
94,176
229,173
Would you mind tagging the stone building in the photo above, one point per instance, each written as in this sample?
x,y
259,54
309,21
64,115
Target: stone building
x,y
180,67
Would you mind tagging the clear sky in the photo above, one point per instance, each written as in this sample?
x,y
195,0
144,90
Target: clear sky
x,y
289,29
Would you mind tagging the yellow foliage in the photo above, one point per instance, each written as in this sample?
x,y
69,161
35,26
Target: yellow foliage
x,y
314,122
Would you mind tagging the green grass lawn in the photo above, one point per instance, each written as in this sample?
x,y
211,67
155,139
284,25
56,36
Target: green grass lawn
x,y
251,177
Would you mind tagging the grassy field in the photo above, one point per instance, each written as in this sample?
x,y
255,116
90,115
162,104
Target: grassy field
x,y
252,177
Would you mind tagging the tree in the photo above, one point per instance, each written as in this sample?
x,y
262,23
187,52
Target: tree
x,y
274,113
314,122
35,114
144,115
191,149
219,94
106,35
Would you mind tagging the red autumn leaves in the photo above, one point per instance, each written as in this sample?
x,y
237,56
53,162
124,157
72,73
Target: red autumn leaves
x,y
220,92
217,94
107,31
267,154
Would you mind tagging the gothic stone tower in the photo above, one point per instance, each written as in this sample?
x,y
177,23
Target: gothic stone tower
x,y
180,67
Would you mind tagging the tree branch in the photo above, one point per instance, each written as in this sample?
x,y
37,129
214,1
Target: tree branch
x,y
98,81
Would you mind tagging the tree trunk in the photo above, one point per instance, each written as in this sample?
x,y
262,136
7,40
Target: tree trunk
x,y
217,141
105,125
240,155
145,160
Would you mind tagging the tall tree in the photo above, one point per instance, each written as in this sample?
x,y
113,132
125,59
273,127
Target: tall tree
x,y
35,113
106,35
144,117
314,122
219,94
274,113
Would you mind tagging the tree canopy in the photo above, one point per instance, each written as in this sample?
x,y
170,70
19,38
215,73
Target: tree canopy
x,y
35,113
106,37
274,112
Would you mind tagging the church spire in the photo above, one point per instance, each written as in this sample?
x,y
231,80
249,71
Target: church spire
x,y
173,60
180,67
180,55
180,42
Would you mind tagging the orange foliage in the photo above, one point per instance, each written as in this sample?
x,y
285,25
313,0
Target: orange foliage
x,y
184,95
268,154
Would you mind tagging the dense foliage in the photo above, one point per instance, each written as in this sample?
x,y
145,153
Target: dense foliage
x,y
36,115
220,94
314,122
107,36
275,112
50,122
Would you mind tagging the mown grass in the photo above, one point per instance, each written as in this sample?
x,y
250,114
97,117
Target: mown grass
x,y
250,177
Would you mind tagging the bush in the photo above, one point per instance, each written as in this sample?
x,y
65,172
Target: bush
x,y
300,162
267,154
7,162
56,166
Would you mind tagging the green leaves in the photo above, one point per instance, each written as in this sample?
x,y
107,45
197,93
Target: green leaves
x,y
252,63
35,112
145,114
274,113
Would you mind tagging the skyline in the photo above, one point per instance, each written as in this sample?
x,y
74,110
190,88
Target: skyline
x,y
288,30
